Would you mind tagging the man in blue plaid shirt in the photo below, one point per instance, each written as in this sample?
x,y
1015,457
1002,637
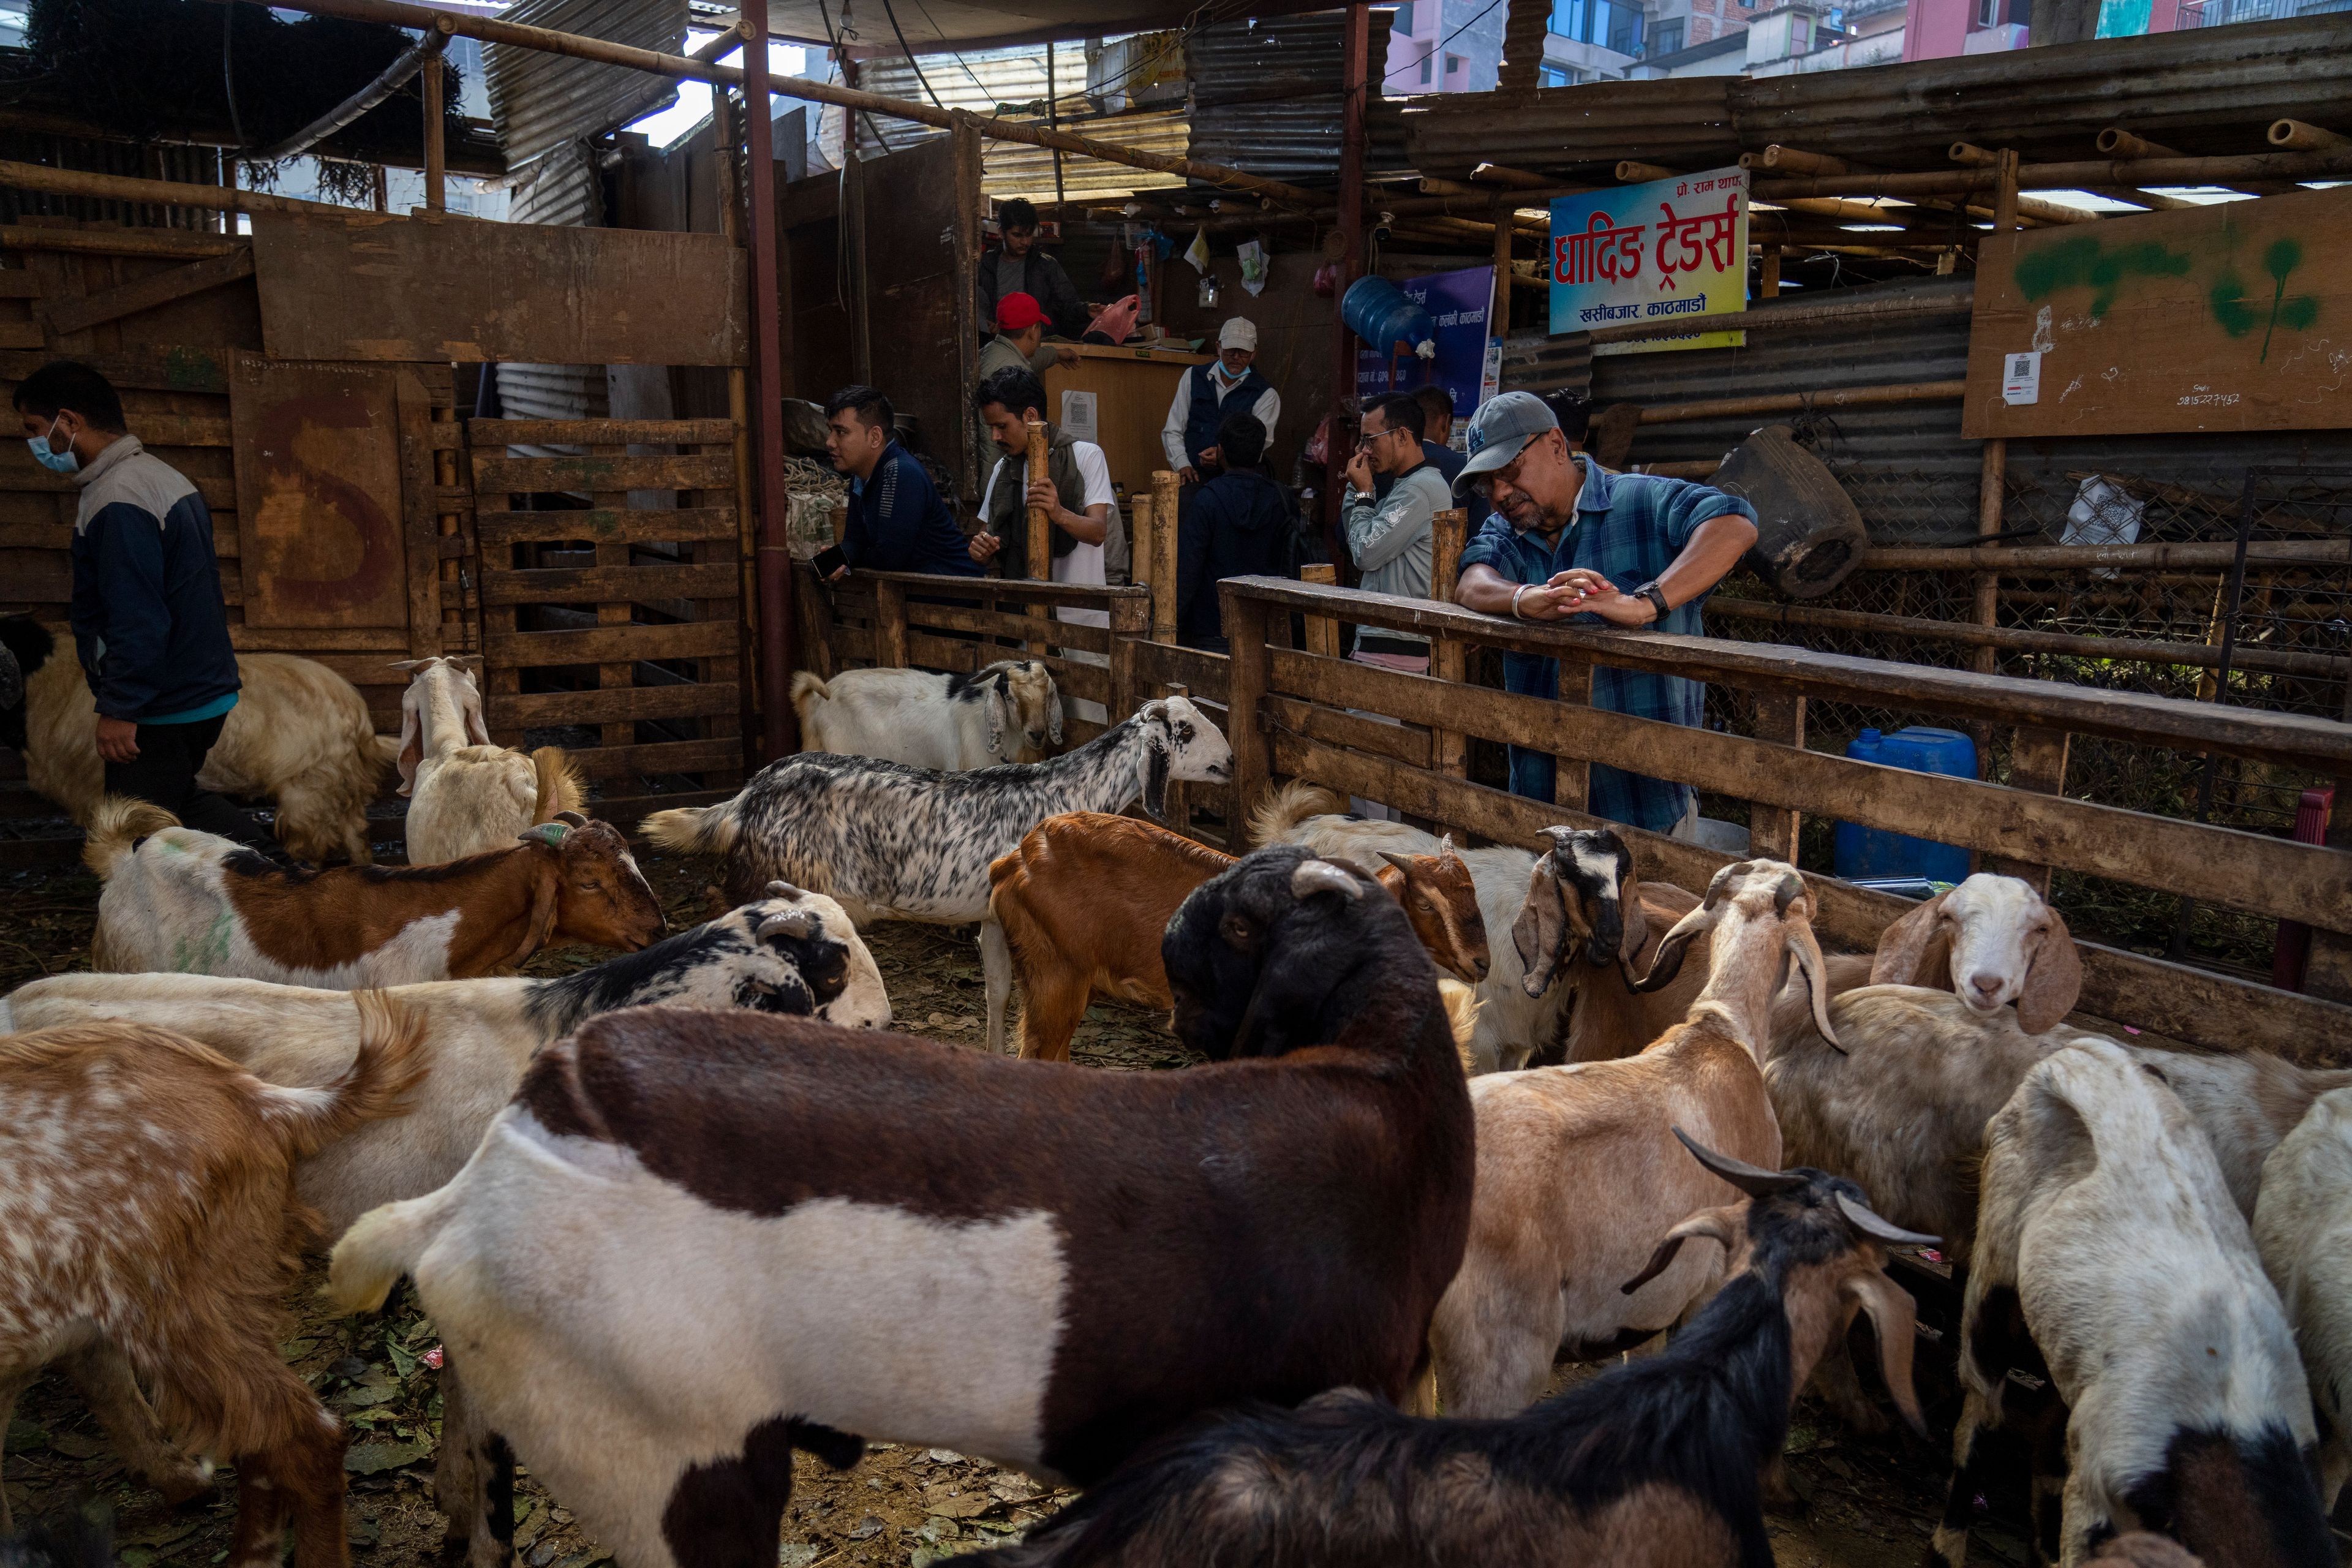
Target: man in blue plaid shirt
x,y
1569,539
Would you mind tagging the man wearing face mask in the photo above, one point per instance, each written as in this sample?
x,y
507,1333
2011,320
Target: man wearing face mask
x,y
149,624
1206,394
1569,539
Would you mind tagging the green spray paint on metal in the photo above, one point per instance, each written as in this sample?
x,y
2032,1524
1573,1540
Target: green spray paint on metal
x,y
2085,263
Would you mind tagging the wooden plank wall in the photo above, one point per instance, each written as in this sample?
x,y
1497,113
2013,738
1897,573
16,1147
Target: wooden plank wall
x,y
619,619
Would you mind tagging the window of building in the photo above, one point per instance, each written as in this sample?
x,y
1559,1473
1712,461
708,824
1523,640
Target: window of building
x,y
1424,67
1454,65
1666,38
1624,31
1550,76
1612,24
1401,23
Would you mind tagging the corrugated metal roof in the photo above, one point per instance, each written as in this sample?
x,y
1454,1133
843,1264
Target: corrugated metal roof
x,y
2205,90
541,101
1266,97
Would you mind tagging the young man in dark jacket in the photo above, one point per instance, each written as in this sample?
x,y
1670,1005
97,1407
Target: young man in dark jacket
x,y
1018,266
149,622
1238,525
896,520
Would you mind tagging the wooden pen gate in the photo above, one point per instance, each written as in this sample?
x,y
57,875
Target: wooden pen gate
x,y
609,598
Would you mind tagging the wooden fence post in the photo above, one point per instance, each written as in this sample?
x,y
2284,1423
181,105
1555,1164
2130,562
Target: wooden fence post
x,y
1245,672
1163,555
2328,974
2037,760
1041,531
1322,631
1572,785
890,624
1772,829
1992,480
1130,620
1448,659
1139,548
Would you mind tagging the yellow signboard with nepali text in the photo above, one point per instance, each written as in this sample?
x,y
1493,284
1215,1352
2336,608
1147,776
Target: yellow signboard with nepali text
x,y
1665,252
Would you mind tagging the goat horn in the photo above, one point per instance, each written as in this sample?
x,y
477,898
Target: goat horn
x,y
798,924
1668,961
1870,1225
1402,862
1314,877
573,818
782,890
1754,1179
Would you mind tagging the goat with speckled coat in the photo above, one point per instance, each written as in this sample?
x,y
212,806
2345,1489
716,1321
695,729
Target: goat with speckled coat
x,y
893,842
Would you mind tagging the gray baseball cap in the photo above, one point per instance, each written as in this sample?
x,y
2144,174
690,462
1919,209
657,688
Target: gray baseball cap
x,y
1501,430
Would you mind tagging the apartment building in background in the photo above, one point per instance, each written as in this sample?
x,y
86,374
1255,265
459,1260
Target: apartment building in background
x,y
1443,46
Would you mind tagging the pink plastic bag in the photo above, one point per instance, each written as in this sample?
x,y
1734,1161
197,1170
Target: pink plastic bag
x,y
1116,321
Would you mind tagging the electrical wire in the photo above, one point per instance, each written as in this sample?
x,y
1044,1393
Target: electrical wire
x,y
901,33
839,54
228,75
1439,46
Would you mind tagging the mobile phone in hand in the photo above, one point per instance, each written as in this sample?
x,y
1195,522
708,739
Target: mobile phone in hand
x,y
829,561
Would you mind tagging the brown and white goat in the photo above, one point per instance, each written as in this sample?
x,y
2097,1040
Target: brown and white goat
x,y
1580,1172
1078,909
1652,1465
148,1183
1990,940
181,902
1585,901
1037,1263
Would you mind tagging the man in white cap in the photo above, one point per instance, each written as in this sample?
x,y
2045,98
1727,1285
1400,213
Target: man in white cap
x,y
1569,539
1206,394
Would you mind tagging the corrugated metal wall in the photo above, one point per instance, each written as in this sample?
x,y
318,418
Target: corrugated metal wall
x,y
562,189
185,166
541,100
1266,97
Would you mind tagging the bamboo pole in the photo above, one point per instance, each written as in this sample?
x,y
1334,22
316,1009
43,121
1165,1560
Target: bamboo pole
x,y
1794,402
436,155
1164,513
1801,318
172,243
1992,479
2017,559
159,193
2296,136
2118,142
2233,170
1975,157
1041,534
1139,525
1767,274
1496,174
1448,659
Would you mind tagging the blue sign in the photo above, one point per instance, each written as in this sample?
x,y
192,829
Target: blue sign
x,y
1457,302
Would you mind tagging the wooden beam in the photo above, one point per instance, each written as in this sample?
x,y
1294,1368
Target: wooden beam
x,y
59,317
119,241
1790,403
156,193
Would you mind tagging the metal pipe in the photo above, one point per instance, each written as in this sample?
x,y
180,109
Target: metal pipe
x,y
779,731
389,81
1354,64
436,161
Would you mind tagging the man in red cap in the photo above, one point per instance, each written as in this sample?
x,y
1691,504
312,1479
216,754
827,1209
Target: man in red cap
x,y
1020,340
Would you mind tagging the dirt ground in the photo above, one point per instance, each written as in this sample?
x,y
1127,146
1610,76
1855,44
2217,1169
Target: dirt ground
x,y
1864,1502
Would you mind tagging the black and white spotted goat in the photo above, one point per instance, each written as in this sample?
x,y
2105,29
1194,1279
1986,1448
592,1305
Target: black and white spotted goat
x,y
1653,1465
892,842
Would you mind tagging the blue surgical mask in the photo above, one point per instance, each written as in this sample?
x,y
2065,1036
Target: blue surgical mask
x,y
63,462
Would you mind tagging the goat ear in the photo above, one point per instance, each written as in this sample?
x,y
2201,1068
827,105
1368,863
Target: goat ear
x,y
1720,1226
1053,714
1903,947
477,731
1894,1319
412,745
2053,980
1635,919
993,707
1668,963
1540,934
1807,952
1155,777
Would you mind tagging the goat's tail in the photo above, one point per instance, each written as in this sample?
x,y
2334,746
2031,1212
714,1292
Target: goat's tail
x,y
1288,806
1461,1009
694,829
386,751
557,778
118,823
390,1063
382,1244
808,689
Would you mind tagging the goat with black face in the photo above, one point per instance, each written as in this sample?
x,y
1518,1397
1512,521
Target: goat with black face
x,y
1108,1253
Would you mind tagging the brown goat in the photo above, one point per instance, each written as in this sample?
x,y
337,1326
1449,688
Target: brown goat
x,y
151,1181
187,902
1076,912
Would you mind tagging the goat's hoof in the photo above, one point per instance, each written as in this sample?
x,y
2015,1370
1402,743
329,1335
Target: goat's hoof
x,y
183,1483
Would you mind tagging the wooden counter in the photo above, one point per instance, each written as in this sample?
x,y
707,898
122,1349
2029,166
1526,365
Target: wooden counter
x,y
1133,386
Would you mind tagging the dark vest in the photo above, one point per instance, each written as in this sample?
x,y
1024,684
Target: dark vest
x,y
1008,505
1209,410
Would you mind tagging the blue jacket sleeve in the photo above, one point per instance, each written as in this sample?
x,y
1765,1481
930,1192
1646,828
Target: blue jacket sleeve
x,y
134,614
888,541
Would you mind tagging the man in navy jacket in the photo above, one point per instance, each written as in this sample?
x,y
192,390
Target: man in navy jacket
x,y
896,520
1238,525
149,622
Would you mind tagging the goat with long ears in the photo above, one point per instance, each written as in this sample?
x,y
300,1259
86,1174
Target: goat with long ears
x,y
465,794
1803,948
1653,1465
1539,1278
1992,941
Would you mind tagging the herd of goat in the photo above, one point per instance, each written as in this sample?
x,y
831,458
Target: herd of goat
x,y
688,1210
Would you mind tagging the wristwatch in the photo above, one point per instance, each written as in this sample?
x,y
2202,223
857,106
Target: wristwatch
x,y
1655,594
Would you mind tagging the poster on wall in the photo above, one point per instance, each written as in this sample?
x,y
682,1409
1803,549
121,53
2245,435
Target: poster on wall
x,y
1457,302
1665,252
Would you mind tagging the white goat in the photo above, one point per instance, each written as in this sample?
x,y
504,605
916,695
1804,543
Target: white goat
x,y
299,735
2107,1242
1546,1270
1993,940
465,794
2302,1227
1004,713
893,842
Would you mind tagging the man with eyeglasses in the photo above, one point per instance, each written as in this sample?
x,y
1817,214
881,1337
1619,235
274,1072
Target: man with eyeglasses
x,y
1389,536
1570,538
